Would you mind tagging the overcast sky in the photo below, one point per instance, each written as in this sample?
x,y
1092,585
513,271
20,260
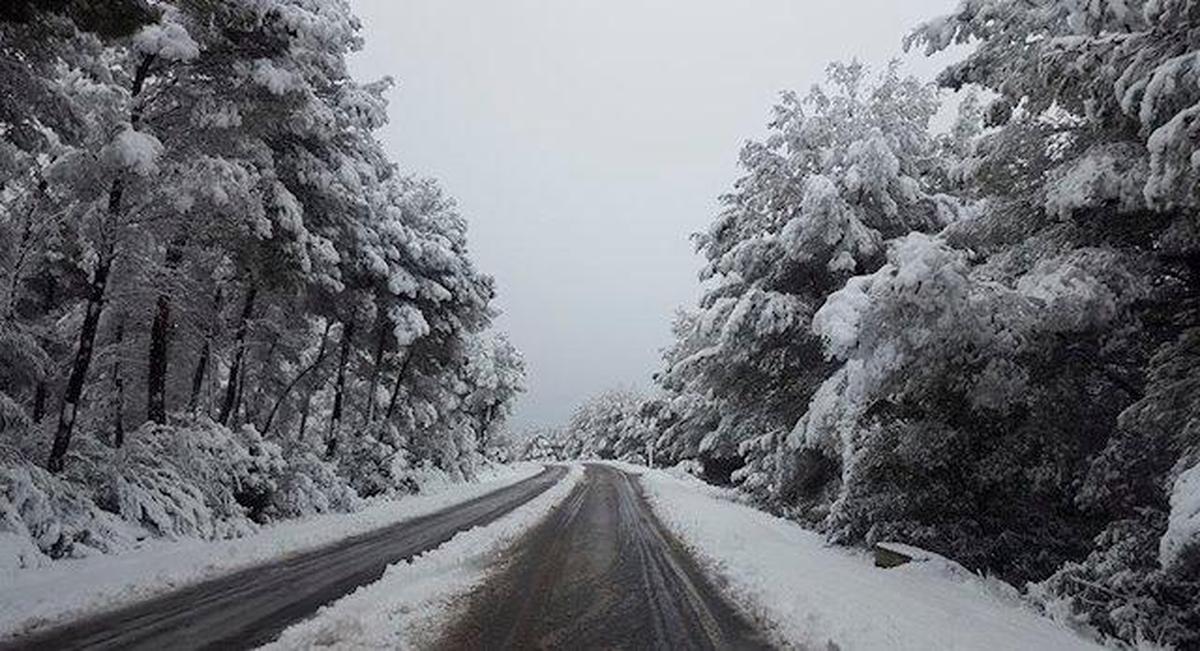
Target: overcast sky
x,y
585,140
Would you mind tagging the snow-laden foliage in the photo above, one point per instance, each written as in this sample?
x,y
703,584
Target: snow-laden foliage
x,y
842,170
981,342
610,425
220,302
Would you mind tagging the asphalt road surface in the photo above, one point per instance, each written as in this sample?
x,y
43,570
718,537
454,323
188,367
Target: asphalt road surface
x,y
252,607
600,573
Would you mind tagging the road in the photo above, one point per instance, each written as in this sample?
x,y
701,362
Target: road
x,y
252,607
600,573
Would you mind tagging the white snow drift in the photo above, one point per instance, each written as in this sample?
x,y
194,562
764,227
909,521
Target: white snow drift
x,y
810,595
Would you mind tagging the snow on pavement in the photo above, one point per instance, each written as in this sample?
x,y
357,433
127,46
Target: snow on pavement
x,y
72,588
812,595
413,601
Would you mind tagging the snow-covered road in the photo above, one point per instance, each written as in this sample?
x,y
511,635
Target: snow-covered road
x,y
250,607
600,573
611,556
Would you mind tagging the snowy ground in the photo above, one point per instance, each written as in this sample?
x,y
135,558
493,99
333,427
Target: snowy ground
x,y
413,601
69,589
811,595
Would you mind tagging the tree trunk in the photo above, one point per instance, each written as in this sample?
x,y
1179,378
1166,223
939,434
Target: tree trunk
x,y
335,419
400,372
119,388
39,401
231,387
69,410
83,357
253,408
198,376
296,380
201,372
374,384
160,334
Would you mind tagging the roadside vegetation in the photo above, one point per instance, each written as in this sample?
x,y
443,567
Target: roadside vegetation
x,y
982,340
221,304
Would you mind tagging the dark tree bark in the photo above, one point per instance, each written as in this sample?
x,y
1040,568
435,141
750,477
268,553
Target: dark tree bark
x,y
201,372
83,358
400,373
374,383
252,408
229,406
39,401
198,376
296,380
335,419
119,387
160,341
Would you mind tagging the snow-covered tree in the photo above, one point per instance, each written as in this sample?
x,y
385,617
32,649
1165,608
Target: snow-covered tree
x,y
238,306
610,425
842,170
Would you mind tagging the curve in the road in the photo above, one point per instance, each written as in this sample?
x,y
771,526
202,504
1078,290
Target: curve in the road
x,y
600,573
251,607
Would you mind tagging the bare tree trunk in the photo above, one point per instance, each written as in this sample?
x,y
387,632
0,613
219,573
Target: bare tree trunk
x,y
335,419
232,386
119,387
239,404
374,384
42,393
296,380
400,373
198,375
83,357
39,401
253,407
160,334
304,409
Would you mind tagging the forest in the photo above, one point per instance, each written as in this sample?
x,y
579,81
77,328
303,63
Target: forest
x,y
222,304
981,339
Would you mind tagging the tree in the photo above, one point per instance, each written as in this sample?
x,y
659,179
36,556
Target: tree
x,y
843,169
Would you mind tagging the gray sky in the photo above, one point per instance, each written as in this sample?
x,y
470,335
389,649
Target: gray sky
x,y
585,141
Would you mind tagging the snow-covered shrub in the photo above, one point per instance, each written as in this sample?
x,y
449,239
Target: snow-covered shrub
x,y
1120,589
308,485
199,480
43,516
371,460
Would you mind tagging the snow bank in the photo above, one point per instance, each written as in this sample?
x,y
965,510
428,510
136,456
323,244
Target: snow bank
x,y
1183,526
72,588
807,594
410,605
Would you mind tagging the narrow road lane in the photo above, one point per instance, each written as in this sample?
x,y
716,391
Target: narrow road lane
x,y
252,607
600,573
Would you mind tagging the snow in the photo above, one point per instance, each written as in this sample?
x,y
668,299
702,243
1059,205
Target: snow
x,y
279,81
73,588
1183,525
411,604
168,41
810,595
135,151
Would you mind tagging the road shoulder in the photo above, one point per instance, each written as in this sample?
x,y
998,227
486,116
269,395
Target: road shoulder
x,y
413,602
813,595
